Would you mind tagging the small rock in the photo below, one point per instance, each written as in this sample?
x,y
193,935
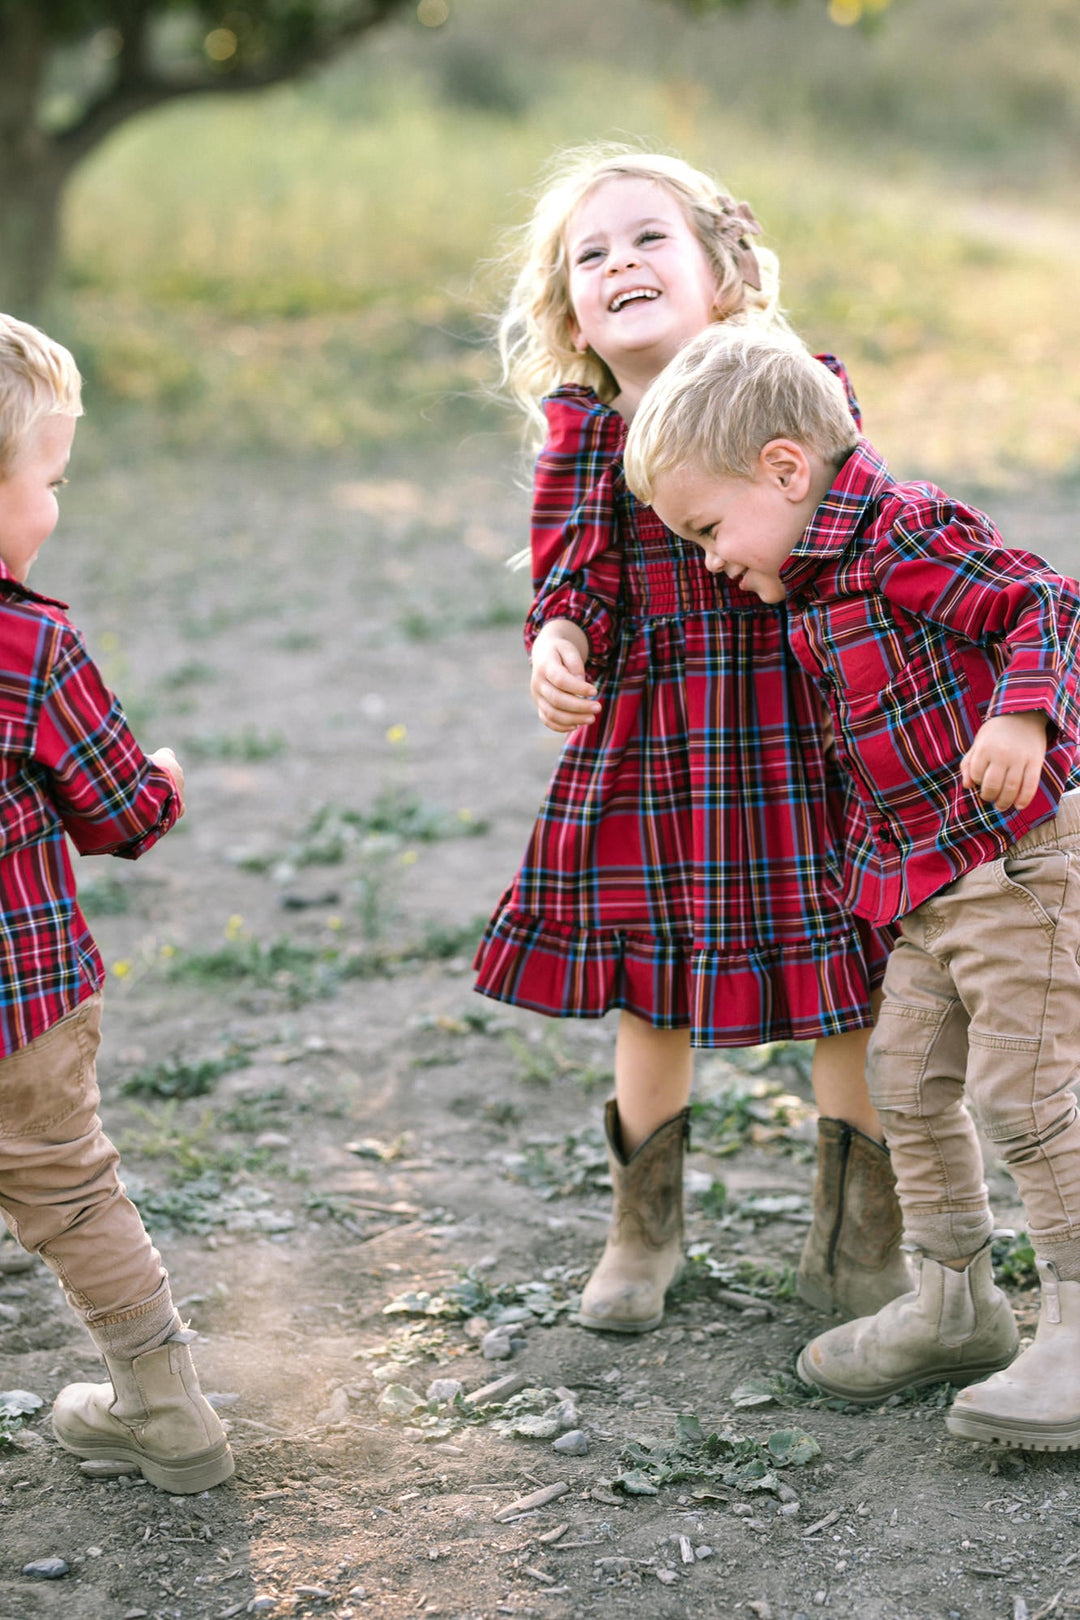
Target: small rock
x,y
136,1614
93,1552
336,1408
262,1605
46,1569
102,1468
819,1598
444,1389
322,1592
785,1493
761,1607
742,1510
271,1139
575,1443
358,1592
476,1327
703,1552
10,1315
496,1345
667,1576
789,1509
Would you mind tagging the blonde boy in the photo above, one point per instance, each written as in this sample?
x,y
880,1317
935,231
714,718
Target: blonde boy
x,y
70,768
949,666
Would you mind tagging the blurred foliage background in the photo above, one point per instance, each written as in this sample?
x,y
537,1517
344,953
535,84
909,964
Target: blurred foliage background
x,y
313,269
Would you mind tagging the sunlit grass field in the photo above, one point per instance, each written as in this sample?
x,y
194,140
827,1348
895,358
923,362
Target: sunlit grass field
x,y
311,270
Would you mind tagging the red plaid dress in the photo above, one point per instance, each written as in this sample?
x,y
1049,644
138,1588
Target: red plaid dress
x,y
686,862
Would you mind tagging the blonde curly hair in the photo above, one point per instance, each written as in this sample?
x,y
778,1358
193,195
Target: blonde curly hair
x,y
536,345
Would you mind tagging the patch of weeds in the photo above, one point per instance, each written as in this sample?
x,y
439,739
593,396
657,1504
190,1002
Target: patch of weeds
x,y
248,745
297,641
702,1274
574,1164
440,941
543,1061
15,1405
196,672
255,1111
416,626
301,971
175,1078
501,1112
497,616
333,832
105,896
727,1459
545,1301
1014,1260
752,1115
207,1202
761,1208
713,1201
472,1021
192,1152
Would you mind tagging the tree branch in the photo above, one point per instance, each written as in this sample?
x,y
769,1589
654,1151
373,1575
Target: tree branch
x,y
136,90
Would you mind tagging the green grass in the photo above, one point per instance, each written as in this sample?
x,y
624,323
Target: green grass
x,y
174,1077
298,271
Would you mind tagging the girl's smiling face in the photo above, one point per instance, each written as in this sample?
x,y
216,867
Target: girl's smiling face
x,y
640,282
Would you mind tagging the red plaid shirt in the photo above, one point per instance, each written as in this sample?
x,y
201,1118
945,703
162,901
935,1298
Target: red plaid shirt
x,y
68,765
918,624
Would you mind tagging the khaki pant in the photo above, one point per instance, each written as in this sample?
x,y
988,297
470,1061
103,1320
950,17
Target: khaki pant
x,y
60,1193
982,1002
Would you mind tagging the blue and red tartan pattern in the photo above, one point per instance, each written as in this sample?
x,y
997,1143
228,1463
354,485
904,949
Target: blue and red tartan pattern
x,y
686,861
918,624
69,767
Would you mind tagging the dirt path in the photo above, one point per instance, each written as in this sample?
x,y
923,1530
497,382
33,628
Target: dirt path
x,y
365,1130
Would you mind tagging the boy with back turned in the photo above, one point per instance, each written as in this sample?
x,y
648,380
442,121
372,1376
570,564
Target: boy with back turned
x,y
949,667
70,768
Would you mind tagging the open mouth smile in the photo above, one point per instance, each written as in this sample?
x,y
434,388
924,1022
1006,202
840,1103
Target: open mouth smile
x,y
632,295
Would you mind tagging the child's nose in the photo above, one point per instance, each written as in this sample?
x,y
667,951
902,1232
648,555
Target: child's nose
x,y
713,563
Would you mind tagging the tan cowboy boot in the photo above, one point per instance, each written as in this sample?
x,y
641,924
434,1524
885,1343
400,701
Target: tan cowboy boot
x,y
955,1326
152,1415
852,1263
625,1294
1034,1403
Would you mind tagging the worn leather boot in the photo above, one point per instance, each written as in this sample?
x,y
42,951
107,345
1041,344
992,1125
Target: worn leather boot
x,y
852,1263
1034,1403
625,1294
955,1326
152,1415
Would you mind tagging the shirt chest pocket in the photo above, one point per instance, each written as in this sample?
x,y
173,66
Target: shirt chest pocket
x,y
863,647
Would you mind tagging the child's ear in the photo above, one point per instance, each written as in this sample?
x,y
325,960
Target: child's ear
x,y
577,337
786,465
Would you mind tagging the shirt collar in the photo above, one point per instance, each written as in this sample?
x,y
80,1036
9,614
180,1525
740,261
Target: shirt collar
x,y
857,485
10,583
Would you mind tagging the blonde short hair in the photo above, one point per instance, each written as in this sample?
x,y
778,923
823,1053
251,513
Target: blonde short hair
x,y
725,396
38,378
536,342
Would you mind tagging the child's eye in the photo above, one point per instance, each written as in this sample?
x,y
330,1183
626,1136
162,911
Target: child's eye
x,y
588,254
652,236
58,483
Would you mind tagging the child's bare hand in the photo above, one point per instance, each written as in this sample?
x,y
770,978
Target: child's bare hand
x,y
1005,761
166,761
564,696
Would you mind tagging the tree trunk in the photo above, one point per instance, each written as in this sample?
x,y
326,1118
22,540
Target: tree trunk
x,y
30,195
30,177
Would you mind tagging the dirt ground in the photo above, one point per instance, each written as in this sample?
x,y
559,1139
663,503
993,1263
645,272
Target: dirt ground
x,y
367,1131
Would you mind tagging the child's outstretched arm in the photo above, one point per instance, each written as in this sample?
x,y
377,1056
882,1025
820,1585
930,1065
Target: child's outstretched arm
x,y
1005,761
111,798
565,698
